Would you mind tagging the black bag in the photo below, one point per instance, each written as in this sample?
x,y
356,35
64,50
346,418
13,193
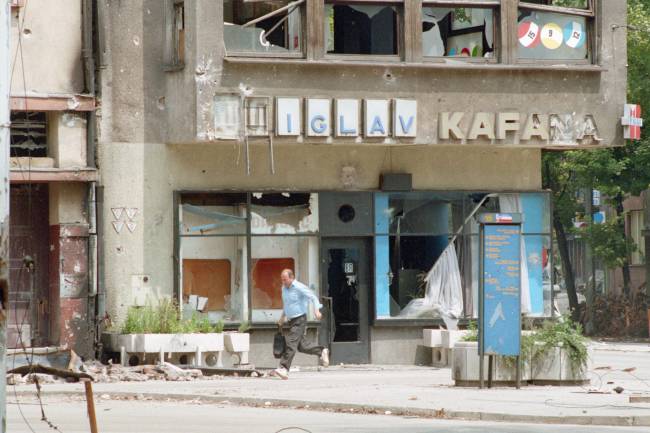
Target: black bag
x,y
278,344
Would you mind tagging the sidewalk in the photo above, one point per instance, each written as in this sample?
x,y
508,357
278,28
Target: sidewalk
x,y
420,391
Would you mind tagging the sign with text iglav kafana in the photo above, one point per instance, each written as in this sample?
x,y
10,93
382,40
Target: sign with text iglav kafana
x,y
398,119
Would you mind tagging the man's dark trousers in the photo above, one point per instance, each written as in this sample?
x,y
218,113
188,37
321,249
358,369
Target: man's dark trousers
x,y
295,340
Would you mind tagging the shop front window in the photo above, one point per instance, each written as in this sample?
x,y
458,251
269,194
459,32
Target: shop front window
x,y
555,30
234,246
458,31
361,28
263,26
213,256
421,274
270,256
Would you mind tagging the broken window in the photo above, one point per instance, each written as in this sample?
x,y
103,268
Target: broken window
x,y
270,256
263,26
458,31
362,28
555,29
28,134
216,265
285,213
282,219
174,53
213,255
413,234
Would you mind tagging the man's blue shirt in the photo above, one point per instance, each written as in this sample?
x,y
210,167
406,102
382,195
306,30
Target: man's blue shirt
x,y
296,298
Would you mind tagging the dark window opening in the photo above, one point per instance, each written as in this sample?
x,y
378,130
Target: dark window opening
x,y
29,134
361,29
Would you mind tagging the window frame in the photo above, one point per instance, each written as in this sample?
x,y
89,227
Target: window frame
x,y
590,16
495,5
402,31
302,54
175,48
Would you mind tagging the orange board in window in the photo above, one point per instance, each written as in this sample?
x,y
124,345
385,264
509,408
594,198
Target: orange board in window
x,y
267,292
209,278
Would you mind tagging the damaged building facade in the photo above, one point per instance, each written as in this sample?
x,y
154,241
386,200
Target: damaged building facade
x,y
350,141
52,232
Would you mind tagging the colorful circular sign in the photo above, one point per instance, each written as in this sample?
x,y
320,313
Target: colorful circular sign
x,y
552,36
574,35
529,34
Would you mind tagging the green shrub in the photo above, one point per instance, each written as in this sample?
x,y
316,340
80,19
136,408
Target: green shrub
x,y
165,319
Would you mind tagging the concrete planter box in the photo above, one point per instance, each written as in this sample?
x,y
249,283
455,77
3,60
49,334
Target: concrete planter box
x,y
432,337
140,344
237,341
553,368
450,338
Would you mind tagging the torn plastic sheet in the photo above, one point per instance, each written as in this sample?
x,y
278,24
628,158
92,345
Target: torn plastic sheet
x,y
444,292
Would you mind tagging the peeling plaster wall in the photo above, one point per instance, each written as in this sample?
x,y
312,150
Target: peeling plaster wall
x,y
51,47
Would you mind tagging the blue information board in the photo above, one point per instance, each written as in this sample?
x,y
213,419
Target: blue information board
x,y
501,285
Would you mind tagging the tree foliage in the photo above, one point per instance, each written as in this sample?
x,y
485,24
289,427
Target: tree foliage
x,y
616,172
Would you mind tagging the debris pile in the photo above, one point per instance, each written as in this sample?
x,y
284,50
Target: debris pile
x,y
141,373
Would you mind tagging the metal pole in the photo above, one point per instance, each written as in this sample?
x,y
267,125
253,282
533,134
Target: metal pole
x,y
480,305
5,123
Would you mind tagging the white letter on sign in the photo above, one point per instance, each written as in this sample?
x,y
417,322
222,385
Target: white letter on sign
x,y
347,117
376,118
287,116
405,118
318,118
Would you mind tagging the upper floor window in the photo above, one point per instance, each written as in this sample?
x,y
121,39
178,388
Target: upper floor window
x,y
263,26
28,134
466,29
353,27
555,29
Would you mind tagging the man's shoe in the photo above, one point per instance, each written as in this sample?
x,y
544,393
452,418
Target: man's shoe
x,y
325,357
281,372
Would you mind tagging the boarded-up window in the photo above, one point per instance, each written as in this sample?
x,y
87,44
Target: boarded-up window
x,y
267,286
209,278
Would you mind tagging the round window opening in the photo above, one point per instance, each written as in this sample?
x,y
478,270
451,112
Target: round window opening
x,y
346,213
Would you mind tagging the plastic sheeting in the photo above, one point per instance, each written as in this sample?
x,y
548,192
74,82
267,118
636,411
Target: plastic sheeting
x,y
444,293
511,203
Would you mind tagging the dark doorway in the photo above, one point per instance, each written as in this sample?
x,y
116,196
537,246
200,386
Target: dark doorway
x,y
346,282
28,266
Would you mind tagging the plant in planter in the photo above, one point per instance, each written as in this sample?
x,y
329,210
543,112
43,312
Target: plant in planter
x,y
556,353
159,329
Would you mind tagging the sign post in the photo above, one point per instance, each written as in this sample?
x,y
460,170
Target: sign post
x,y
499,291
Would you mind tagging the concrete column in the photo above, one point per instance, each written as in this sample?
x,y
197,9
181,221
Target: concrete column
x,y
70,320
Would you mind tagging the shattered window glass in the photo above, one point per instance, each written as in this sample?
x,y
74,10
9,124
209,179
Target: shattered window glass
x,y
284,213
457,32
275,32
213,214
353,28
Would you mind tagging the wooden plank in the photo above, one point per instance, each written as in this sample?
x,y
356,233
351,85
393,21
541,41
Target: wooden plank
x,y
46,176
640,398
53,103
90,403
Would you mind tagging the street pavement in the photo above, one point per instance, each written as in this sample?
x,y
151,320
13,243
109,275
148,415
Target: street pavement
x,y
69,415
411,390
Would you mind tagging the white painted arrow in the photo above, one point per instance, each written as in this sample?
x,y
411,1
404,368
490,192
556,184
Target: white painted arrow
x,y
498,314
